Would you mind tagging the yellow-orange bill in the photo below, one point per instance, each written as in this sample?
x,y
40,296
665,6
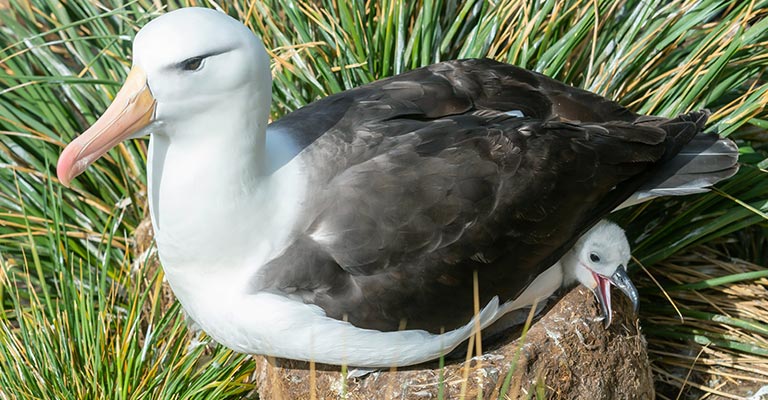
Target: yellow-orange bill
x,y
132,109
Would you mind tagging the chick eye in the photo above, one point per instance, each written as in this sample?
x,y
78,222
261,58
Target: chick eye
x,y
594,257
191,64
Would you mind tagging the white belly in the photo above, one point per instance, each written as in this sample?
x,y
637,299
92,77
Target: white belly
x,y
269,324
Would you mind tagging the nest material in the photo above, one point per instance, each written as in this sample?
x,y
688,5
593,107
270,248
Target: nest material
x,y
567,354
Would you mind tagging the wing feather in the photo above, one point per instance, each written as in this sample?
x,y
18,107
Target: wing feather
x,y
421,179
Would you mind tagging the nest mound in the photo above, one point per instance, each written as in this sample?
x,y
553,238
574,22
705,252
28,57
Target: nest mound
x,y
567,354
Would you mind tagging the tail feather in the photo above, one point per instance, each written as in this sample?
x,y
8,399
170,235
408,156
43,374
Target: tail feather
x,y
702,162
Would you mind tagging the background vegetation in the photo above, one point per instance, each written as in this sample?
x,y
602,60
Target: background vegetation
x,y
84,312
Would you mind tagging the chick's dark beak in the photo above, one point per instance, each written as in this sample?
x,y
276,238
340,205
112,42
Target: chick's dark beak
x,y
620,279
602,291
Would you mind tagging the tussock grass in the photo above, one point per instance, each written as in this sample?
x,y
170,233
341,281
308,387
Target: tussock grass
x,y
79,318
719,340
77,331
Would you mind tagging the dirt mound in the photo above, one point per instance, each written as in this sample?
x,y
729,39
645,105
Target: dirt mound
x,y
567,354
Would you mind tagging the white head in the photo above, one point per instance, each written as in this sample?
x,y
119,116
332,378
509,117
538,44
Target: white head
x,y
598,259
188,66
195,58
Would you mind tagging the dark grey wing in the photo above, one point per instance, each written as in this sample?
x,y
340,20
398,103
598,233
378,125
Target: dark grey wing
x,y
440,90
397,238
422,179
457,185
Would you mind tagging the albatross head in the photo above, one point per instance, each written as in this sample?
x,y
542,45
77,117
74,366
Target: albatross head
x,y
598,259
188,65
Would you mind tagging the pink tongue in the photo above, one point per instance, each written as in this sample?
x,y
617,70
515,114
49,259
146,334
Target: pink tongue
x,y
605,290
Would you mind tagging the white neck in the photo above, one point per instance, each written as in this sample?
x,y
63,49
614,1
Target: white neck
x,y
569,261
211,198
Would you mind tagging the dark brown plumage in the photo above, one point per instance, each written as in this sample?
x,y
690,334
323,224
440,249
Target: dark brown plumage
x,y
423,178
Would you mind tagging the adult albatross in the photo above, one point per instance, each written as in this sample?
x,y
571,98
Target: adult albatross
x,y
349,231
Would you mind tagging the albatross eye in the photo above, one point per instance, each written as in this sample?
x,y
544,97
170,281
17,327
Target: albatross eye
x,y
191,64
594,257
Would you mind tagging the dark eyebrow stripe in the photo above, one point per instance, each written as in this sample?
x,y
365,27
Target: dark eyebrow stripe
x,y
201,56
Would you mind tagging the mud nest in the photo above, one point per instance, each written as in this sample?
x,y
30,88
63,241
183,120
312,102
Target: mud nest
x,y
567,354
